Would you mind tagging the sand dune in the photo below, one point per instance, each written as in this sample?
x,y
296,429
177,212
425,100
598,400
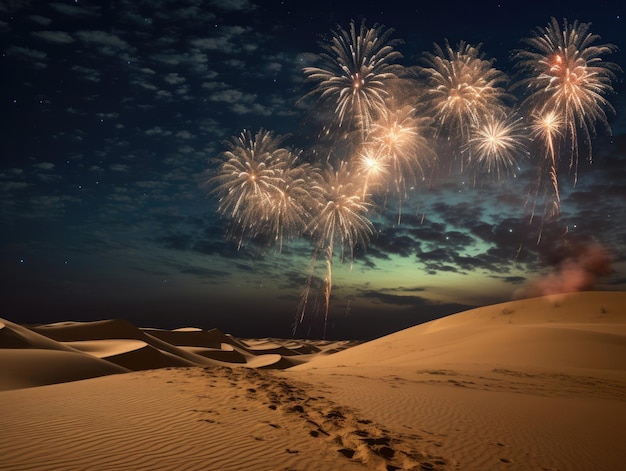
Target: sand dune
x,y
532,384
587,330
29,359
116,346
536,384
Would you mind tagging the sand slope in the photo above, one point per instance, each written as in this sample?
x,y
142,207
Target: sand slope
x,y
584,330
537,384
532,384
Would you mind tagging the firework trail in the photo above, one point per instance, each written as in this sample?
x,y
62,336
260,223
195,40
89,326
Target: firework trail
x,y
306,292
339,220
355,74
547,129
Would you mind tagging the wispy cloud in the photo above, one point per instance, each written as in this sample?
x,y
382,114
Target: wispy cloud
x,y
76,10
35,58
57,37
234,5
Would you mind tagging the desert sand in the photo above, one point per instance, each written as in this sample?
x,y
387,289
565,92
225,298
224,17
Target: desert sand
x,y
535,384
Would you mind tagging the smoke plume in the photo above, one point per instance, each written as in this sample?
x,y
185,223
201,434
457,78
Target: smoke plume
x,y
577,268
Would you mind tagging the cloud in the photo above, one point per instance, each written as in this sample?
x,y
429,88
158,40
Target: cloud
x,y
107,116
195,60
47,206
234,5
234,97
41,20
11,186
184,134
395,299
158,131
88,74
37,59
228,40
203,272
75,10
255,108
102,38
391,240
43,166
176,241
174,79
57,37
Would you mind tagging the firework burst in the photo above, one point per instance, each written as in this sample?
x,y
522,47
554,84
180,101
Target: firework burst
x,y
564,74
463,89
290,206
496,146
341,215
400,137
356,69
262,189
566,82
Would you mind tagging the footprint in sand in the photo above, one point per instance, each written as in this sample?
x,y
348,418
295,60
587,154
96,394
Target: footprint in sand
x,y
352,437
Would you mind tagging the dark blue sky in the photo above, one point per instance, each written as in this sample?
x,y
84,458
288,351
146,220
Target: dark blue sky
x,y
111,115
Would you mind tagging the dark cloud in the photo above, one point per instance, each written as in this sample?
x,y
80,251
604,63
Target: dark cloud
x,y
392,241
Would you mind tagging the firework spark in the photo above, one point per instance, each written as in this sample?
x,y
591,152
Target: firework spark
x,y
371,165
355,72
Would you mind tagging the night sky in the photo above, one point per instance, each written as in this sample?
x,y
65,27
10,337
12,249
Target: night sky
x,y
113,114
